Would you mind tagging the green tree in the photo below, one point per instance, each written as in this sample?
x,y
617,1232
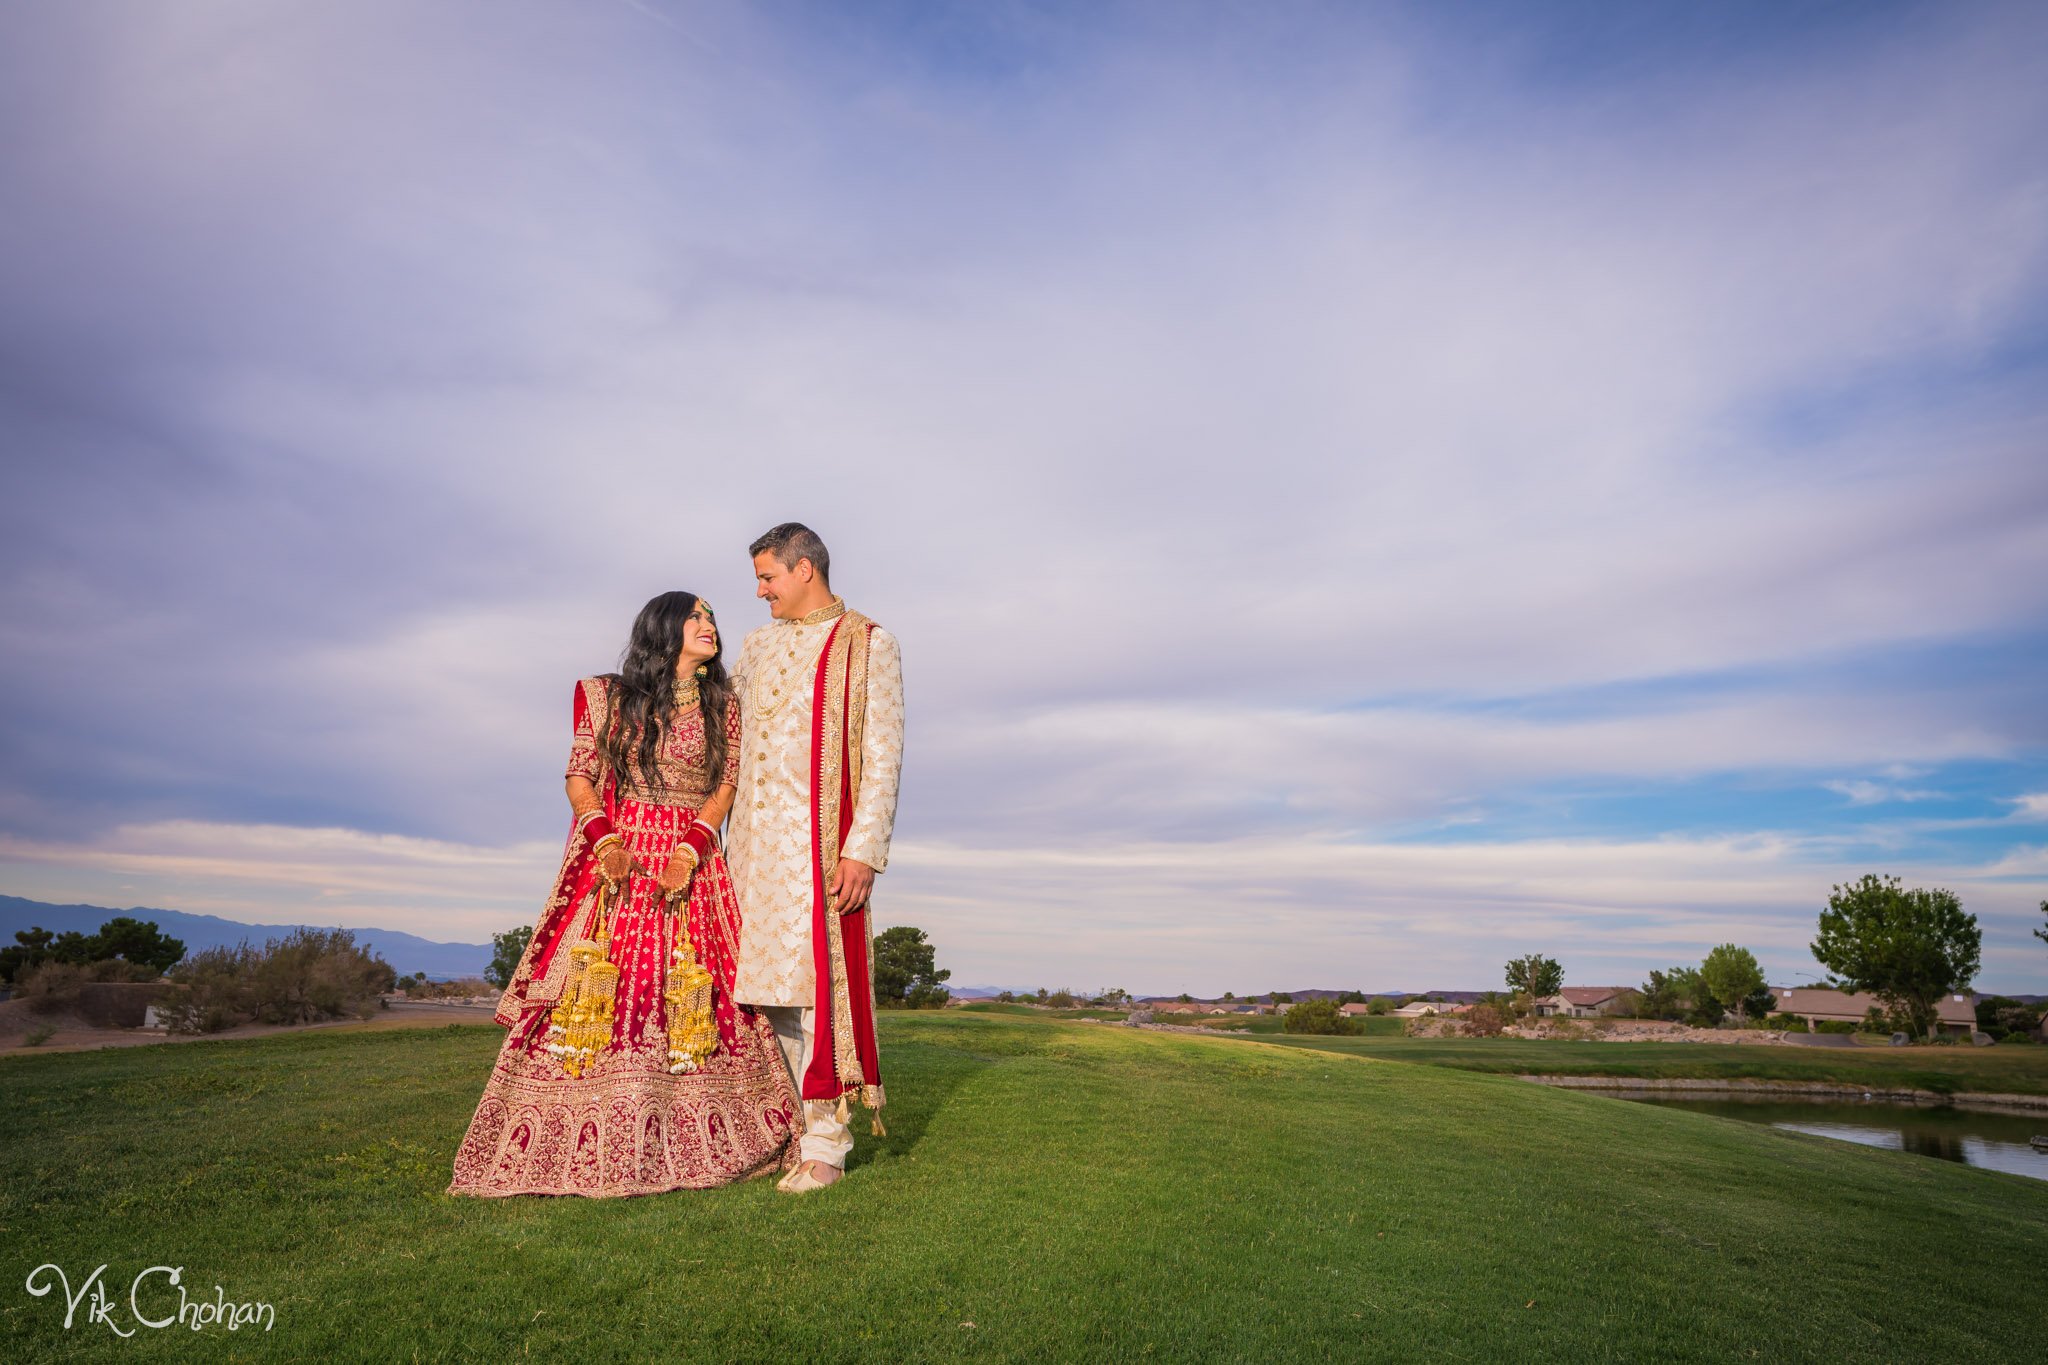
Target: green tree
x,y
1698,1007
1907,947
1535,976
2042,932
1317,1016
907,974
74,947
506,950
1377,1005
1731,975
123,937
31,948
1230,995
1352,998
1185,998
138,941
1282,998
1658,998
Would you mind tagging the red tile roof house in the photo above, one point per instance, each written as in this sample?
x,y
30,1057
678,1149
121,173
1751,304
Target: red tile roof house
x,y
1955,1013
1354,1009
1581,1002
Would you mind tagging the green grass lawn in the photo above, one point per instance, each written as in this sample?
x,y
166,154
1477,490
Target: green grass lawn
x,y
2019,1070
1257,1025
1049,1191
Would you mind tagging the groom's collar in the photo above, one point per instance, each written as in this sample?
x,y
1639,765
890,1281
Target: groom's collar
x,y
822,614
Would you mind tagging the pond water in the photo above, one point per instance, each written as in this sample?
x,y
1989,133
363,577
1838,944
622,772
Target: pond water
x,y
1997,1142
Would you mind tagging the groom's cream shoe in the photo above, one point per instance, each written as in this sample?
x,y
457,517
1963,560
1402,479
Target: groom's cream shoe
x,y
801,1181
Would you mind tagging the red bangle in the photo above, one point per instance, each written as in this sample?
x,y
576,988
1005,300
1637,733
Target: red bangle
x,y
699,839
596,829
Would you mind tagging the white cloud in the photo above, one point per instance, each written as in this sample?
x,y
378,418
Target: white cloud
x,y
2032,806
1863,792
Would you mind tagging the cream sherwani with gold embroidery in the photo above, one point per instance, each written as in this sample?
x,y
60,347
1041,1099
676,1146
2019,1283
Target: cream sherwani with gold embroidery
x,y
769,843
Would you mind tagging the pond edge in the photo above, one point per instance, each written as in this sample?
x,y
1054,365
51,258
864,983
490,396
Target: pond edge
x,y
1986,1101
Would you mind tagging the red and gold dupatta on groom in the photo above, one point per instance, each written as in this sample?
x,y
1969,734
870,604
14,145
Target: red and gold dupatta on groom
x,y
845,1060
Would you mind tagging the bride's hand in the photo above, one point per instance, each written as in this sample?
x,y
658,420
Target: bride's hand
x,y
682,865
615,862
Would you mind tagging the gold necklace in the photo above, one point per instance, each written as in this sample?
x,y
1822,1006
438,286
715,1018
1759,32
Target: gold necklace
x,y
686,693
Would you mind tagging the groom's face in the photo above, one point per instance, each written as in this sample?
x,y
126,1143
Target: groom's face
x,y
780,585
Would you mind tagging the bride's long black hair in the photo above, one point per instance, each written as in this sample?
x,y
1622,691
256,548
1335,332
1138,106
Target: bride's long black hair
x,y
643,691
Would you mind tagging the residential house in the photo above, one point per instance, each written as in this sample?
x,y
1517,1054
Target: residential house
x,y
1581,1002
1417,1009
1814,1004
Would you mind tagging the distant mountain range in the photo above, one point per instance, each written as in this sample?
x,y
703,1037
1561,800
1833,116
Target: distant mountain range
x,y
407,953
1319,993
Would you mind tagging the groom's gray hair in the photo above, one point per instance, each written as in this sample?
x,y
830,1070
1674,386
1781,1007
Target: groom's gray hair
x,y
792,541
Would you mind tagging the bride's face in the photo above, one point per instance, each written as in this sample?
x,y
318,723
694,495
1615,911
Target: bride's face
x,y
700,639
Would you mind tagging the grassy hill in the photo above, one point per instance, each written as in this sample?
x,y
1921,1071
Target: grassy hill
x,y
1049,1191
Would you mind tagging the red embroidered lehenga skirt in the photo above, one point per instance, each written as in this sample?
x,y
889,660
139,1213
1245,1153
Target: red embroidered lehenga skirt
x,y
628,1125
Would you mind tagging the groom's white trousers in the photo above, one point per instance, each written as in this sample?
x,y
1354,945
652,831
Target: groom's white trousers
x,y
825,1138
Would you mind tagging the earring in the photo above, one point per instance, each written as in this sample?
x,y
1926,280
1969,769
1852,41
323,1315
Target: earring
x,y
703,670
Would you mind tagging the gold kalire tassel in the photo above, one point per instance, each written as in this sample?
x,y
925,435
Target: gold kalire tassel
x,y
692,1032
581,1025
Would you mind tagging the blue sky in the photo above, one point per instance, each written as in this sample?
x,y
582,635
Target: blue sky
x,y
1364,490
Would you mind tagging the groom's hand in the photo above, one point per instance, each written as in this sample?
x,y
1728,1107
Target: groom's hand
x,y
851,882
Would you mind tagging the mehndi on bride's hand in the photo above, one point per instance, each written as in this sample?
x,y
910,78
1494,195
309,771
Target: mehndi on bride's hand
x,y
614,862
675,878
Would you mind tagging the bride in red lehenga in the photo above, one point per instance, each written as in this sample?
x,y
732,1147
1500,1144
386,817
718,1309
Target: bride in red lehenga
x,y
628,1068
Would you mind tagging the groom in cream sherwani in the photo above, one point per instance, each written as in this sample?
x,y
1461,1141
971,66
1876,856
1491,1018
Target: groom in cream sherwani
x,y
821,696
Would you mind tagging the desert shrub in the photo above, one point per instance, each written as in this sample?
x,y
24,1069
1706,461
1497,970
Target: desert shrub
x,y
1786,1023
37,1036
1485,1021
309,974
52,985
2018,1018
1061,999
1837,1026
2015,1038
1317,1016
419,988
217,991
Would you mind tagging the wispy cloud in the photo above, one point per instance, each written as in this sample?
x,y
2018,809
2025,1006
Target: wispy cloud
x,y
1863,792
